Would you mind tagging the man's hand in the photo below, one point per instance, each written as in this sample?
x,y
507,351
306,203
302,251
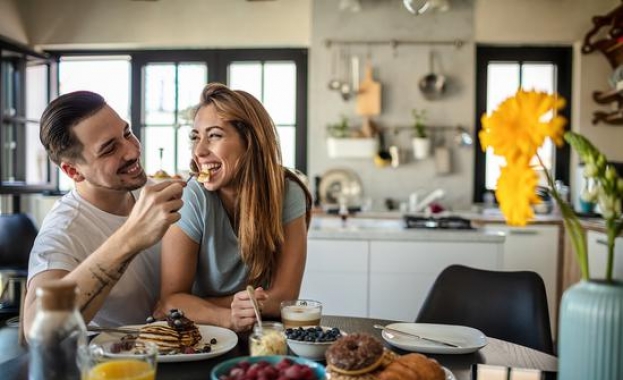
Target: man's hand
x,y
155,210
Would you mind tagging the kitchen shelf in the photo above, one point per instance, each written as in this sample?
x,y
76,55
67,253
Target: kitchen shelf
x,y
607,97
613,118
610,44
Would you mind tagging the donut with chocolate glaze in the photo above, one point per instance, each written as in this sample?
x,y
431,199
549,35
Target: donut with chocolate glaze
x,y
355,354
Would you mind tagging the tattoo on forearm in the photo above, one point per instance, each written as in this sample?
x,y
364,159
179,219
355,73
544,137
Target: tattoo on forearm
x,y
105,278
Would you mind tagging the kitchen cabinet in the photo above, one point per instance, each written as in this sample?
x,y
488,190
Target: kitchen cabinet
x,y
402,272
336,274
597,255
388,275
533,248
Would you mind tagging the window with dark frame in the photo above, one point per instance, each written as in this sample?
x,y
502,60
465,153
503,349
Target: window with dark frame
x,y
500,71
166,83
26,85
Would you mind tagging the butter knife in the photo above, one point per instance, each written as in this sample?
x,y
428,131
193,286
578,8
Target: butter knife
x,y
391,330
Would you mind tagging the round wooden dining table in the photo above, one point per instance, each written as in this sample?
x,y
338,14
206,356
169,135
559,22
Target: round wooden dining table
x,y
496,352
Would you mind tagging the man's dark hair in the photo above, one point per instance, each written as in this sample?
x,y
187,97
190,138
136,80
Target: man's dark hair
x,y
58,120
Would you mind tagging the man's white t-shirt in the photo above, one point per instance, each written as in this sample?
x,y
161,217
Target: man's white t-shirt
x,y
70,232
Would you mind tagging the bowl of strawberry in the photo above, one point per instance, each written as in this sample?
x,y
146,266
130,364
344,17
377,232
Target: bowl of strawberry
x,y
268,367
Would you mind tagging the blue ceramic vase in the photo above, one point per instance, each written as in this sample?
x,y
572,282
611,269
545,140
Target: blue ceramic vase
x,y
590,341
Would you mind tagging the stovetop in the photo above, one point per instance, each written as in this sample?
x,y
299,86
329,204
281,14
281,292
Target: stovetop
x,y
446,222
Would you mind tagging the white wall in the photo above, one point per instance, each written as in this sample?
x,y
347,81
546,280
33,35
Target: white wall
x,y
11,24
536,21
167,23
399,72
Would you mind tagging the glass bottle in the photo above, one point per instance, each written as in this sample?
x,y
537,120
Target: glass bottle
x,y
57,332
270,339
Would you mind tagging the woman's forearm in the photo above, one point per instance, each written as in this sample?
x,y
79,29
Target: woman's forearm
x,y
200,310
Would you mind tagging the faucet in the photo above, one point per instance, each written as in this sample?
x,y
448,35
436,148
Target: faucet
x,y
415,206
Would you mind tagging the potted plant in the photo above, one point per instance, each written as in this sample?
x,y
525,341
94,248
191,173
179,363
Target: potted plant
x,y
421,141
343,143
590,337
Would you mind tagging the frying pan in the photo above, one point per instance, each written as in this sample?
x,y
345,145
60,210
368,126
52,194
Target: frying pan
x,y
432,85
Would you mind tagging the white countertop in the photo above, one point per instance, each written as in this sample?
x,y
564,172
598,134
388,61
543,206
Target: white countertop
x,y
391,229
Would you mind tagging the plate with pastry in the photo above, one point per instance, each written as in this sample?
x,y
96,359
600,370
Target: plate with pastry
x,y
415,366
362,357
178,338
434,338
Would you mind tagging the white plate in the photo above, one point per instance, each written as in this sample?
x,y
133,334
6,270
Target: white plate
x,y
468,339
226,340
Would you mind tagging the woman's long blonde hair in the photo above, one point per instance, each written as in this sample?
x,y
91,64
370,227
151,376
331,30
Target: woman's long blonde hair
x,y
260,180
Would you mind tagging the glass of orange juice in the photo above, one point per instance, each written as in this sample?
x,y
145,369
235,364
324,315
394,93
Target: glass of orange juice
x,y
119,361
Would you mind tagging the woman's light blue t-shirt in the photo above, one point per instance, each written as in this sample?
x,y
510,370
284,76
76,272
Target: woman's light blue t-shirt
x,y
220,270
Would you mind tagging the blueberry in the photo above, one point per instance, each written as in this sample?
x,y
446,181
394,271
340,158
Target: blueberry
x,y
213,341
177,323
176,315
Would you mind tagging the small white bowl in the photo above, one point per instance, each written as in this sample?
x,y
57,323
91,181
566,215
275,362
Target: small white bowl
x,y
311,350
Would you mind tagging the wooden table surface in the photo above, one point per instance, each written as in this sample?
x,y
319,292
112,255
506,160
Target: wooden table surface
x,y
497,352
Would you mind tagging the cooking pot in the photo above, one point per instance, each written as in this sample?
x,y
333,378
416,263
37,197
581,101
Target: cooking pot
x,y
11,281
432,85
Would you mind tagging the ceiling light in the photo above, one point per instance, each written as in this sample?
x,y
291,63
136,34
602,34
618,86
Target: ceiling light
x,y
418,7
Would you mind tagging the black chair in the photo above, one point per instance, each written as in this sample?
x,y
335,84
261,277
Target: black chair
x,y
511,306
17,235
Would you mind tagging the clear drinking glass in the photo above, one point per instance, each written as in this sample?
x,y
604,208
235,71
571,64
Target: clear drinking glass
x,y
301,313
116,360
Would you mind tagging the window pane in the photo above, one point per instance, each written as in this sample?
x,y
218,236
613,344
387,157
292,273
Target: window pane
x,y
184,150
246,76
280,91
287,139
160,94
156,140
538,76
192,79
36,157
112,79
502,82
112,82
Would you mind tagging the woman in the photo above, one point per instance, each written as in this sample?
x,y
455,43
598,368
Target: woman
x,y
246,224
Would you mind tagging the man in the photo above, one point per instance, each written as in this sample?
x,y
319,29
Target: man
x,y
103,235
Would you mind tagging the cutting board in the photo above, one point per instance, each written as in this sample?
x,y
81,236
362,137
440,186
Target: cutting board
x,y
369,95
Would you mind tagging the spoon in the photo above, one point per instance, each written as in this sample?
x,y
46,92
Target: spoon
x,y
389,329
256,307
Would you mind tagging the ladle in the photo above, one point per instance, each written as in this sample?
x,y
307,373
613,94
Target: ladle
x,y
432,85
256,307
334,84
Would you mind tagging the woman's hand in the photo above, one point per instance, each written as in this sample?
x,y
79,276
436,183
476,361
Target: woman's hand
x,y
242,313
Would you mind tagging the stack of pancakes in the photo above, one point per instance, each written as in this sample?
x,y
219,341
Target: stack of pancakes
x,y
175,334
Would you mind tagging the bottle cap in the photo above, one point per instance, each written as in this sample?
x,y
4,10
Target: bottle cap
x,y
57,295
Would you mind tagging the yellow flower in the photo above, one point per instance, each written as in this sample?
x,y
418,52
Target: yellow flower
x,y
518,127
516,192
